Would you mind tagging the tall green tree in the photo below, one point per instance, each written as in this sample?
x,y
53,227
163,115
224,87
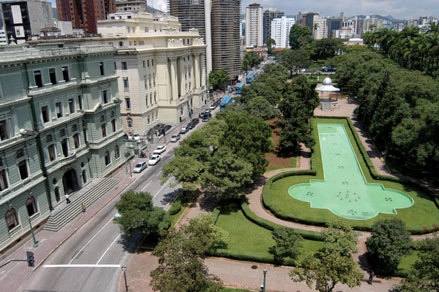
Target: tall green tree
x,y
260,107
270,45
299,36
294,60
218,79
287,244
333,263
389,242
327,48
181,256
137,214
424,274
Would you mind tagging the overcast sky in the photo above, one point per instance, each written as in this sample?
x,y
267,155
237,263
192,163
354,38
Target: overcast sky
x,y
397,8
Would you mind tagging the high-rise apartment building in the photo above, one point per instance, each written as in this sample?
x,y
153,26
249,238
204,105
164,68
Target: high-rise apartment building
x,y
62,132
280,31
85,14
254,26
131,6
319,30
24,19
218,21
225,36
269,15
307,19
333,24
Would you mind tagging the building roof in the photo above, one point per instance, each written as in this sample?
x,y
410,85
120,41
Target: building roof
x,y
327,86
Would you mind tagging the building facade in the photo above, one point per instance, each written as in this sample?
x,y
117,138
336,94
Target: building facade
x,y
24,19
319,27
254,26
269,15
225,36
218,22
131,6
195,14
60,128
162,72
85,14
280,31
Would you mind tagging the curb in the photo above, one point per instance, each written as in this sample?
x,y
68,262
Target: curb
x,y
76,229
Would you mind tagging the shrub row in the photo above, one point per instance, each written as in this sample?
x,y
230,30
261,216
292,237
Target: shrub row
x,y
215,214
313,235
175,208
252,258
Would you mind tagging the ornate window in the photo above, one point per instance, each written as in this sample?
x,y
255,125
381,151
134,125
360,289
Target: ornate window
x,y
11,219
31,206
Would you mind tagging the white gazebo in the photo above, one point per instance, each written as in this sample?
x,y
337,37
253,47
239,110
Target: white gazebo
x,y
326,89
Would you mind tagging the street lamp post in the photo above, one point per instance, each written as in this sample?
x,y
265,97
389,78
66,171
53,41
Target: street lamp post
x,y
265,275
33,233
124,270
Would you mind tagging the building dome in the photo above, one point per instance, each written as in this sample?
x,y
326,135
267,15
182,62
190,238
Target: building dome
x,y
327,81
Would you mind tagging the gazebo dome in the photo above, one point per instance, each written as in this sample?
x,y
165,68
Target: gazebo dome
x,y
327,81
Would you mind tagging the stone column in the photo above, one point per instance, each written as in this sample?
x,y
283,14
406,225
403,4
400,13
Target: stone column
x,y
181,77
203,70
174,78
197,71
193,71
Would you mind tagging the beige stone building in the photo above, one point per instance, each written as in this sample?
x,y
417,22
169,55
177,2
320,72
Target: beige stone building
x,y
162,72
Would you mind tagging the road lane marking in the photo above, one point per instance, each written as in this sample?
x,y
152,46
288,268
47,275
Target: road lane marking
x,y
81,266
108,249
161,189
146,186
88,242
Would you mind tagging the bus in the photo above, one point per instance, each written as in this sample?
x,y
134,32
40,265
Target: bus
x,y
226,100
238,87
251,77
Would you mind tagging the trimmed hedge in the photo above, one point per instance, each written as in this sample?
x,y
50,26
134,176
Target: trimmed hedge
x,y
252,258
317,172
175,208
215,214
312,235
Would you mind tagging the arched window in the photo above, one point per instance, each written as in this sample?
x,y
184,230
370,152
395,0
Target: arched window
x,y
31,206
116,152
11,219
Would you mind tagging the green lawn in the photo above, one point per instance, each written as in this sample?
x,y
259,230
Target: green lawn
x,y
422,214
252,241
407,262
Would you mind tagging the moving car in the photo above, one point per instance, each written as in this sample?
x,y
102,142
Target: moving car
x,y
139,167
183,130
160,149
175,138
154,159
193,123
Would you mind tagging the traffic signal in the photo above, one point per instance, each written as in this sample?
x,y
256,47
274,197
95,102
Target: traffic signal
x,y
30,259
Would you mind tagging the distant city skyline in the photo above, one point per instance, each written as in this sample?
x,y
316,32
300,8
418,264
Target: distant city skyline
x,y
402,9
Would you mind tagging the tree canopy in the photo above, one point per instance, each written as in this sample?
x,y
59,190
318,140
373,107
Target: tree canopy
x,y
424,274
270,43
251,60
181,255
288,244
223,157
333,263
218,79
137,214
389,242
299,36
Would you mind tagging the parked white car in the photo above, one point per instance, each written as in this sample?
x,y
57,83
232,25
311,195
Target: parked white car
x,y
140,166
154,159
136,137
160,149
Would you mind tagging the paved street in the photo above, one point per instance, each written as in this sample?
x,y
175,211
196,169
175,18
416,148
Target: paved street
x,y
91,259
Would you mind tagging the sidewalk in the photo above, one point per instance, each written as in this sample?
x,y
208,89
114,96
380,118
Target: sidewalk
x,y
14,274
